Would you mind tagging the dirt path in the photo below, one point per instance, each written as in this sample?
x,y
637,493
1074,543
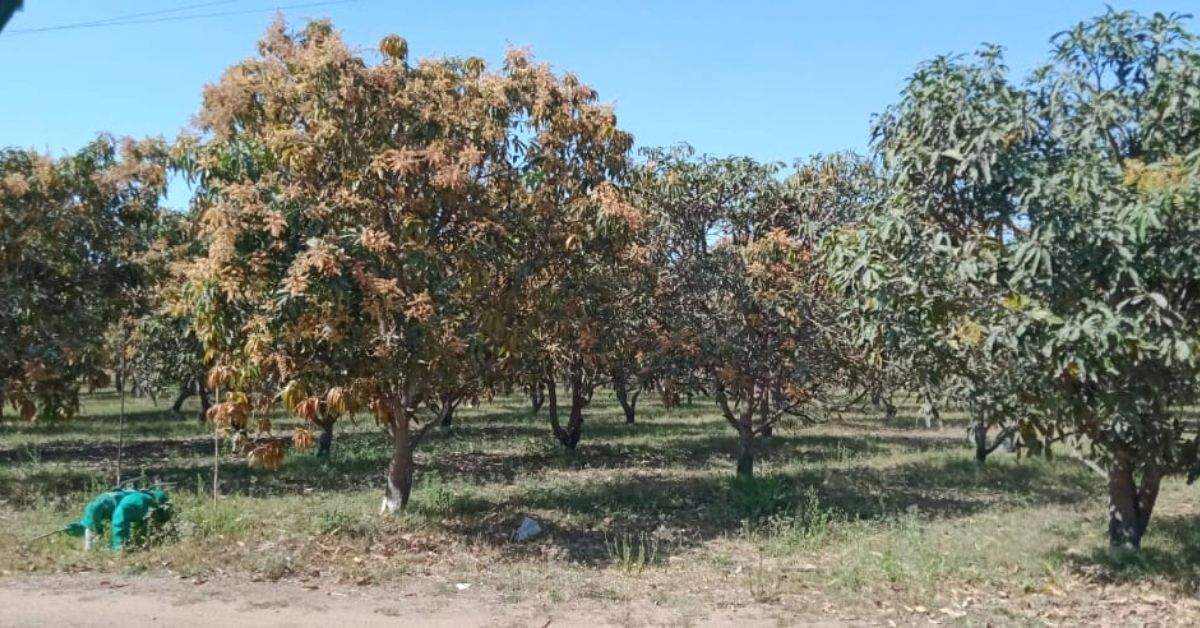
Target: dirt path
x,y
80,600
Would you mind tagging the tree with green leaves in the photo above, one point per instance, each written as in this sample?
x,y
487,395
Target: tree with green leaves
x,y
1104,303
1034,255
924,272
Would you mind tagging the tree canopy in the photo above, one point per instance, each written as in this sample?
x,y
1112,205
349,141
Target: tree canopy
x,y
1032,255
71,235
373,228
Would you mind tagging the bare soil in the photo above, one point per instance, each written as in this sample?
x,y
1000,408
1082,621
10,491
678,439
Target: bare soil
x,y
90,599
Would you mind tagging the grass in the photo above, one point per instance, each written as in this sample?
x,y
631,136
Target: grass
x,y
861,509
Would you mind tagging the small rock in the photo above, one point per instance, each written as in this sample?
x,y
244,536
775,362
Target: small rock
x,y
528,529
462,586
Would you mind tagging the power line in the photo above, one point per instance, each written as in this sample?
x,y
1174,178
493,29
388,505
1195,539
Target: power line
x,y
117,18
125,21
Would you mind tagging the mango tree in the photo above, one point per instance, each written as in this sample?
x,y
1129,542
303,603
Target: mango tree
x,y
742,297
1036,249
1106,275
577,234
363,220
70,241
162,354
585,254
923,273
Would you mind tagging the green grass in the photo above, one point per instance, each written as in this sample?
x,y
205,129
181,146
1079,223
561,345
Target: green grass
x,y
861,507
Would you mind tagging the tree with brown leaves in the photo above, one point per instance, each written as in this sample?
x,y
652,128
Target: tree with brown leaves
x,y
369,225
71,241
742,307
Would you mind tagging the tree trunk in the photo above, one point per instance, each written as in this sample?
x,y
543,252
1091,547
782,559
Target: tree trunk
x,y
1122,506
536,397
932,415
621,388
568,437
765,427
205,402
152,393
579,399
325,440
552,410
185,392
979,432
881,398
743,422
745,459
1130,506
446,412
400,470
1147,497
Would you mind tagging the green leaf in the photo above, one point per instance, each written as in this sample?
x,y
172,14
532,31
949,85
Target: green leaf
x,y
1183,350
1043,315
1015,301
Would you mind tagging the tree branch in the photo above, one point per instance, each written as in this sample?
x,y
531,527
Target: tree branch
x,y
1074,452
726,411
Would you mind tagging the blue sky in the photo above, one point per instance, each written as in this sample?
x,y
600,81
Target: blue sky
x,y
774,80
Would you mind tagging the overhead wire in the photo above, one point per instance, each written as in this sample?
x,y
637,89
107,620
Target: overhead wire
x,y
128,16
129,20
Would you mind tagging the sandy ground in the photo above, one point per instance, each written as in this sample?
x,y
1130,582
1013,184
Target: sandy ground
x,y
107,600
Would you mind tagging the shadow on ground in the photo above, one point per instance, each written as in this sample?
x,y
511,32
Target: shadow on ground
x,y
701,508
668,471
1170,551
